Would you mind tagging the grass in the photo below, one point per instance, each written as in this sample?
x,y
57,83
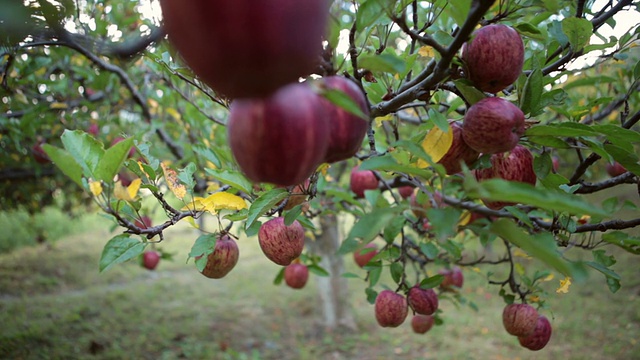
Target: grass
x,y
54,304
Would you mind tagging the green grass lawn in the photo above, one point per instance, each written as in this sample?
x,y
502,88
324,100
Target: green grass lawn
x,y
54,304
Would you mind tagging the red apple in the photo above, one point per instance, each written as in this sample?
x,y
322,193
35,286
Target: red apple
x,y
116,140
519,319
615,169
391,309
493,125
458,152
362,180
296,275
150,259
423,301
346,130
39,155
244,48
223,258
540,336
516,165
280,139
93,129
493,58
144,222
422,323
555,163
363,255
452,278
280,243
405,191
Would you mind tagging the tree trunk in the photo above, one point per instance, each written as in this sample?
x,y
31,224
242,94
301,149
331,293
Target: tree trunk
x,y
334,294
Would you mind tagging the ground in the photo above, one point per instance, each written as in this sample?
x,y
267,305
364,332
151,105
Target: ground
x,y
54,304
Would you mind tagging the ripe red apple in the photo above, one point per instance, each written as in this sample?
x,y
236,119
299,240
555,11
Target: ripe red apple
x,y
346,130
144,222
391,309
296,275
422,323
516,165
519,319
280,243
493,58
223,258
150,259
419,208
362,257
39,155
540,336
245,48
93,129
458,152
362,180
615,169
116,140
405,191
452,278
280,139
493,125
423,301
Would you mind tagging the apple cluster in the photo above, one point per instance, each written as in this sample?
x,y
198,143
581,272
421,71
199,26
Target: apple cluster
x,y
523,321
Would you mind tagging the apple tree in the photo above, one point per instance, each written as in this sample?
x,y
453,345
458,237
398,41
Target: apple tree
x,y
442,135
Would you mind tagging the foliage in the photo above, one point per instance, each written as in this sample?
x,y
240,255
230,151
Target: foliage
x,y
106,63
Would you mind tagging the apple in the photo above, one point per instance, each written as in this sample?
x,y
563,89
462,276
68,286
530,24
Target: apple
x,y
280,139
493,58
390,308
555,162
125,178
39,155
346,129
150,259
519,319
405,191
615,169
296,275
458,152
362,180
223,258
419,207
363,255
244,48
517,165
540,336
144,222
116,140
493,125
280,243
423,301
452,278
93,129
422,323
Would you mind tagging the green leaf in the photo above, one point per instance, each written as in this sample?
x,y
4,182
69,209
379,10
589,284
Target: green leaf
x,y
86,150
429,250
565,129
65,162
532,93
186,176
375,270
371,295
578,30
317,270
431,282
344,101
232,178
120,249
207,154
540,246
388,163
264,203
444,221
291,215
623,240
112,160
368,13
385,62
203,246
470,93
370,225
396,269
530,31
279,277
517,192
626,158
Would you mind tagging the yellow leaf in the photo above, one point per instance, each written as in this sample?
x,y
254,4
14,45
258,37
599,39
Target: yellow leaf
x,y
57,105
519,269
178,189
534,298
380,119
193,222
95,187
197,203
464,218
476,269
549,277
426,51
212,186
223,201
174,113
323,169
519,253
436,144
127,193
564,285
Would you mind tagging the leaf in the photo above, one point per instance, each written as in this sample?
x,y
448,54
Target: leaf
x,y
317,270
388,163
219,201
65,162
368,13
112,160
232,178
578,30
95,187
371,224
344,101
541,246
564,286
565,129
431,282
292,215
396,271
202,247
623,240
385,62
128,193
436,144
264,203
86,150
178,189
530,31
120,249
186,176
470,93
532,92
279,277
